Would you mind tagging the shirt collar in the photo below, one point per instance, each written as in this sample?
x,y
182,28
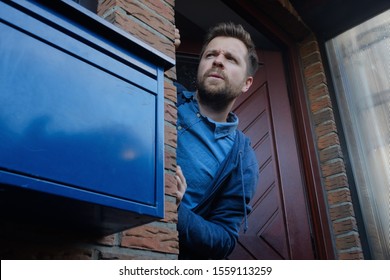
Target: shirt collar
x,y
221,129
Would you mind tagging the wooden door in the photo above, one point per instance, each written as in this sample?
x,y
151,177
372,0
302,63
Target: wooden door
x,y
279,223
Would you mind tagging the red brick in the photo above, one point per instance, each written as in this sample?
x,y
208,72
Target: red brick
x,y
355,254
313,70
309,47
315,80
320,104
151,238
170,113
149,36
330,153
170,2
341,211
170,136
323,116
170,160
339,196
170,212
348,241
161,8
155,20
318,91
109,240
333,167
328,140
105,5
170,184
170,92
335,182
311,59
345,225
171,73
325,128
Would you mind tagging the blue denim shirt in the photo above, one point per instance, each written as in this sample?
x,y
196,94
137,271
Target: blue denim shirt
x,y
202,146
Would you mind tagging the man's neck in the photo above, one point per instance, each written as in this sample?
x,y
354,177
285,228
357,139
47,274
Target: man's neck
x,y
220,115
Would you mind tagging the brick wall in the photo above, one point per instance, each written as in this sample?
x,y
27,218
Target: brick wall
x,y
152,21
335,182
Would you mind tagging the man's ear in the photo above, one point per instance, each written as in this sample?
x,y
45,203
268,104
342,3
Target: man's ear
x,y
247,84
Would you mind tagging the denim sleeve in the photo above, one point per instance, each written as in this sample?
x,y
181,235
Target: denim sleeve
x,y
202,239
214,234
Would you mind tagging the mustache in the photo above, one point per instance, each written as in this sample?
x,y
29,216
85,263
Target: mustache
x,y
216,71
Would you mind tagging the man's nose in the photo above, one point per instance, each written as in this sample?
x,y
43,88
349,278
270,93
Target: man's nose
x,y
219,60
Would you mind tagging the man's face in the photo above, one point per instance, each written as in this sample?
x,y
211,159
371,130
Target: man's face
x,y
222,71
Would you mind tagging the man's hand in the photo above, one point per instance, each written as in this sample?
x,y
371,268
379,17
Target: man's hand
x,y
177,38
181,185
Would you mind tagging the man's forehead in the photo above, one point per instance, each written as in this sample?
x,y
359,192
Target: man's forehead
x,y
228,44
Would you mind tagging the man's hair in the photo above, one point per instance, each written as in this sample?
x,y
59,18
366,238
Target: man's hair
x,y
237,31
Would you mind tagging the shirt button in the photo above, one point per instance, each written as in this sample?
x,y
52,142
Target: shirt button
x,y
198,115
179,127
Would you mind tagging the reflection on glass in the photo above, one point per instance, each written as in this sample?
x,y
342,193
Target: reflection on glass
x,y
360,66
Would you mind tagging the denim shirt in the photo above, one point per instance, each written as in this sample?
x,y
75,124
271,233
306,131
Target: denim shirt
x,y
202,146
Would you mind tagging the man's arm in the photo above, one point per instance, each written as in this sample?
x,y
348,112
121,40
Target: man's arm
x,y
213,234
203,239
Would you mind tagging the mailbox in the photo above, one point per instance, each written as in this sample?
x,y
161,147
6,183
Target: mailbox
x,y
81,119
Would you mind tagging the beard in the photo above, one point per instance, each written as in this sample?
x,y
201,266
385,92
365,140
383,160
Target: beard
x,y
217,95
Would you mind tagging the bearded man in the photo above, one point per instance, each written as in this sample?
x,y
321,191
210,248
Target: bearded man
x,y
217,170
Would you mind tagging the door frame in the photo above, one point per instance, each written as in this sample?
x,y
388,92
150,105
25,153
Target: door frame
x,y
287,32
258,14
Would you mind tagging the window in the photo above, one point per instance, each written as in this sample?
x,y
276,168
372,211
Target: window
x,y
360,67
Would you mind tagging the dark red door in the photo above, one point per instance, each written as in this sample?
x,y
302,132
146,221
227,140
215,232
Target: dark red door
x,y
279,223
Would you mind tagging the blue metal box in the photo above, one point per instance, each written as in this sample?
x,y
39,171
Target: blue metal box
x,y
81,115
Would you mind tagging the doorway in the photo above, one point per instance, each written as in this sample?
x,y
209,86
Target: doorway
x,y
279,225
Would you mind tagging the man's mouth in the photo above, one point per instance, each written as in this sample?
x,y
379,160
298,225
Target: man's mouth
x,y
215,75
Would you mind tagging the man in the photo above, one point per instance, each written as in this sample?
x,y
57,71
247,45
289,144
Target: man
x,y
217,170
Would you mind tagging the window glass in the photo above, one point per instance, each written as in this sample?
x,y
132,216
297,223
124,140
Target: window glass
x,y
360,68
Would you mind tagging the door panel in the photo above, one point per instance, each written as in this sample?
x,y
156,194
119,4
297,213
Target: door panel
x,y
279,222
